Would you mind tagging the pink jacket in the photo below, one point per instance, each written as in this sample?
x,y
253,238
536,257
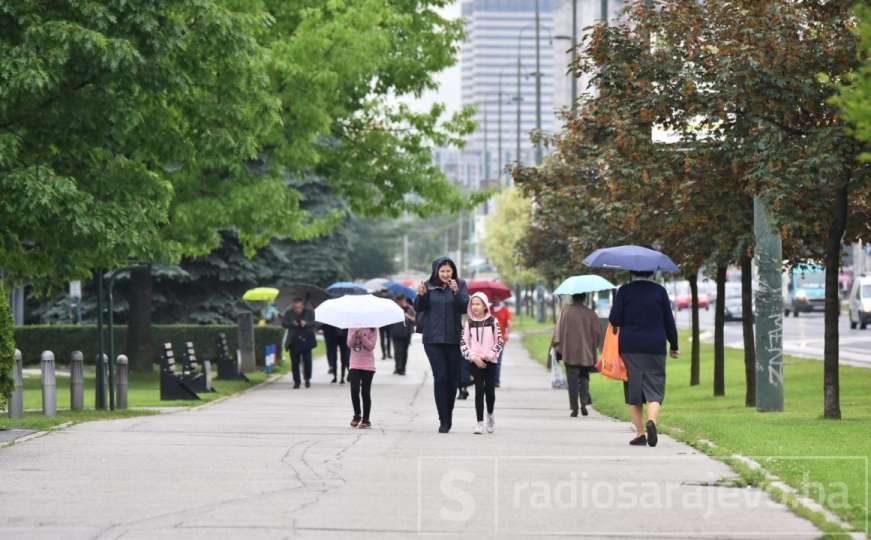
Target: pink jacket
x,y
481,335
362,356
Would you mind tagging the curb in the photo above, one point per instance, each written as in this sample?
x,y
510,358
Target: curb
x,y
270,379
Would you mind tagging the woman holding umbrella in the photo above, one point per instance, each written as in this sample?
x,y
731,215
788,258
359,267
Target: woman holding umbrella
x,y
440,304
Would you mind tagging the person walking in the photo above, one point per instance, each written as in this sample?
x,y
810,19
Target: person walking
x,y
503,315
481,344
384,335
336,342
440,304
300,323
401,335
642,315
362,344
575,339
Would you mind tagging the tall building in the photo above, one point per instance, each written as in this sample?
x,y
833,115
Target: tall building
x,y
497,33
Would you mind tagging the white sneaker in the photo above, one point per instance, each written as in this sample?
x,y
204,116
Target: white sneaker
x,y
479,428
491,423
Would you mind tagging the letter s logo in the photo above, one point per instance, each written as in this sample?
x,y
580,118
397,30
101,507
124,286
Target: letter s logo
x,y
464,500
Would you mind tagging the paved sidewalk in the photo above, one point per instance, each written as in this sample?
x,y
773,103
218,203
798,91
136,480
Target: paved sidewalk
x,y
283,463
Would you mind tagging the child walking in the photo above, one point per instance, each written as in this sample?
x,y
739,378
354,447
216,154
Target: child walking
x,y
362,344
481,344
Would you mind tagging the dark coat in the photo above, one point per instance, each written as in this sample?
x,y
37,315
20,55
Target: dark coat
x,y
642,312
440,310
403,330
299,338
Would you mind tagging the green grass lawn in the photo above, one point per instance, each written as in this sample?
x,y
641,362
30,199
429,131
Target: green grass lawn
x,y
798,445
525,323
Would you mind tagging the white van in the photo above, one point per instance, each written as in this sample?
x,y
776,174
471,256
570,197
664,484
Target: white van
x,y
860,302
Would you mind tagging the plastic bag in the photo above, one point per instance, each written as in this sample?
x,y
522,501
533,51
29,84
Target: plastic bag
x,y
611,364
557,375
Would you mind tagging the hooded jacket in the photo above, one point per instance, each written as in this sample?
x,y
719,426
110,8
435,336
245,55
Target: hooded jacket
x,y
440,309
481,335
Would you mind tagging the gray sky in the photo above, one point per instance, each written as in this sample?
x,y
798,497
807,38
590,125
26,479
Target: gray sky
x,y
449,80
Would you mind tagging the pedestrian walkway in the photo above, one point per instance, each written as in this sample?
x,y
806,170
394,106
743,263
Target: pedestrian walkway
x,y
282,463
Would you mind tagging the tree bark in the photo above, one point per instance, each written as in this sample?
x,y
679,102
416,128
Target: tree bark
x,y
695,359
831,376
747,323
719,337
139,346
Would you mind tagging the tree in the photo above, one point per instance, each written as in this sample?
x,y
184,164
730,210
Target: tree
x,y
854,97
7,346
506,227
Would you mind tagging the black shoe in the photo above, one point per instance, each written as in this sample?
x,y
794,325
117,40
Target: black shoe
x,y
333,381
652,437
640,440
443,427
463,394
342,381
574,413
496,385
396,372
296,385
584,410
308,384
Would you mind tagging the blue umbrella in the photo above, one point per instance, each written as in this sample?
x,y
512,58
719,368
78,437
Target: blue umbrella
x,y
637,258
399,288
584,284
341,288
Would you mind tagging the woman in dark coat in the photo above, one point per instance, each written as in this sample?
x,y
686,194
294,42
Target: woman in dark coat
x,y
440,305
642,313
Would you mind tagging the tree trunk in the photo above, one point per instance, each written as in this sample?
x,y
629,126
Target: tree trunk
x,y
719,337
747,323
518,295
139,347
831,377
530,304
695,359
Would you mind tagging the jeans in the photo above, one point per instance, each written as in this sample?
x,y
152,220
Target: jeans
x,y
337,347
444,359
361,383
400,352
304,358
485,386
576,375
384,335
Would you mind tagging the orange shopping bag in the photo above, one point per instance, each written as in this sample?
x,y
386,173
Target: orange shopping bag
x,y
611,364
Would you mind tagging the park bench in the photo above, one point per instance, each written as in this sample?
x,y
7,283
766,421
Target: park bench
x,y
194,374
172,383
228,366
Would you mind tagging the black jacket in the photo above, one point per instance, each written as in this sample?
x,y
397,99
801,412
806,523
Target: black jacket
x,y
299,338
440,311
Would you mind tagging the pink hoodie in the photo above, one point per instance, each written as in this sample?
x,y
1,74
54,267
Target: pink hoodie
x,y
362,356
481,335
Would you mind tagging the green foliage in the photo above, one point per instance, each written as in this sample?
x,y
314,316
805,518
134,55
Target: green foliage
x,y
855,93
374,247
506,228
7,345
64,339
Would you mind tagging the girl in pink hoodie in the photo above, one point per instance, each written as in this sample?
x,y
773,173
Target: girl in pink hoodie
x,y
361,341
481,344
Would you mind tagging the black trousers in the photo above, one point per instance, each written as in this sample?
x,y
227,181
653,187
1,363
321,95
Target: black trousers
x,y
444,359
485,387
384,335
579,385
337,347
400,352
361,384
303,358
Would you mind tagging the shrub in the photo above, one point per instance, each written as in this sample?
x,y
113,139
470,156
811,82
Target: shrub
x,y
7,346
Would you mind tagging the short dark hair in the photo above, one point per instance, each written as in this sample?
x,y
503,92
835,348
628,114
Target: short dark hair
x,y
578,298
634,273
400,297
298,300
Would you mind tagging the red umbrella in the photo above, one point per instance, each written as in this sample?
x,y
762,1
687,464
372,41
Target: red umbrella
x,y
495,291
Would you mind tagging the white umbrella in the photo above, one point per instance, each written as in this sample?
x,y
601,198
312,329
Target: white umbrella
x,y
359,311
377,284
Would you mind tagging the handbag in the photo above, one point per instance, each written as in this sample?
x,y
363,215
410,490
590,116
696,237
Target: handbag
x,y
610,363
557,376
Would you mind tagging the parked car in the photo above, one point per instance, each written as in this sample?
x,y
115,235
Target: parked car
x,y
684,300
860,302
734,307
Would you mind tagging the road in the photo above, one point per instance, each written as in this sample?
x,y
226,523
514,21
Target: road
x,y
283,463
802,336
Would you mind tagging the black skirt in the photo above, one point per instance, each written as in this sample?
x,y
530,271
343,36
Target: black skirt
x,y
646,378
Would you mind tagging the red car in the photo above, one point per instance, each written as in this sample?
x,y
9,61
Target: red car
x,y
685,300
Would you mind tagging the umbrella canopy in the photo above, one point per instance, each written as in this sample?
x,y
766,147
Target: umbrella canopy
x,y
376,284
637,258
312,295
261,294
495,291
359,311
584,284
408,282
398,288
341,288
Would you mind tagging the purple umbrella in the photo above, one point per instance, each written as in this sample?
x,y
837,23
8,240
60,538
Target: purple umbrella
x,y
637,258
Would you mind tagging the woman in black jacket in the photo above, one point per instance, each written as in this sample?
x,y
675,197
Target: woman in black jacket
x,y
440,304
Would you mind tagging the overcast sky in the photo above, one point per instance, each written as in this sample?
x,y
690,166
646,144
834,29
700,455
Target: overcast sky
x,y
449,80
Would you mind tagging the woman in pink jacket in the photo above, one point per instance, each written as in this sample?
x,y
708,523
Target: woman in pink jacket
x,y
481,344
361,341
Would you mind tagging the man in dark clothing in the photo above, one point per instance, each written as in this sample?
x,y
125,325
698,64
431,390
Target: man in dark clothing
x,y
642,314
336,342
300,324
440,305
401,335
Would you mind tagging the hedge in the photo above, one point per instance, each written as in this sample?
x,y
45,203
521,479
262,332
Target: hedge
x,y
64,339
7,348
